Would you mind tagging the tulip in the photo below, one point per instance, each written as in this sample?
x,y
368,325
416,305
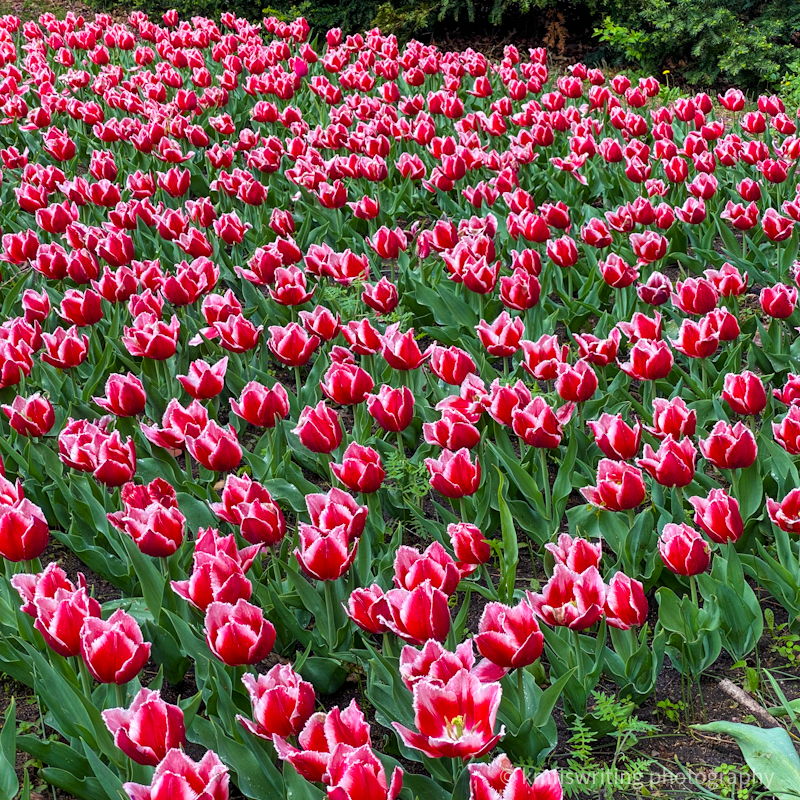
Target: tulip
x,y
470,546
65,348
729,446
576,554
329,511
346,384
361,469
504,400
459,717
538,425
321,323
381,297
149,337
695,296
363,339
324,554
178,776
673,464
216,448
113,649
260,406
786,514
177,423
366,607
501,338
620,486
509,637
778,301
238,634
321,736
744,393
204,381
148,729
80,308
318,428
683,550
616,273
787,432
417,615
718,516
125,396
291,345
544,357
282,703
648,361
600,352
570,599
35,305
451,364
400,350
615,437
498,780
626,606
642,327
392,409
576,384
359,772
435,565
32,416
776,227
453,474
520,290
452,432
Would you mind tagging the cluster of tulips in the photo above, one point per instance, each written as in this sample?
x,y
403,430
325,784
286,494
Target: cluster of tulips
x,y
302,343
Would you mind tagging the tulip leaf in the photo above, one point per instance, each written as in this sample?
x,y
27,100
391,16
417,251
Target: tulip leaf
x,y
84,788
510,552
9,783
769,752
326,674
55,754
112,785
751,490
423,788
297,787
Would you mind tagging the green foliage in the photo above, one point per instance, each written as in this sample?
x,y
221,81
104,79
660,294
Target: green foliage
x,y
710,40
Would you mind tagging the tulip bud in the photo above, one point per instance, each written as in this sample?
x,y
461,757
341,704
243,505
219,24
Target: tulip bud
x,y
361,469
238,634
282,702
509,637
683,550
113,649
626,606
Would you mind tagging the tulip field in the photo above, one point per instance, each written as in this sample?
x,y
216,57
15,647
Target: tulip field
x,y
376,417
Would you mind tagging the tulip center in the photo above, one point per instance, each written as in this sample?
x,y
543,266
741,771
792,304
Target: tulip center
x,y
455,727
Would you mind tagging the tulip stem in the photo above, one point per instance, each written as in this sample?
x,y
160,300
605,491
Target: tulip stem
x,y
521,691
681,513
331,621
693,590
576,640
631,518
86,678
735,482
276,570
119,691
545,482
188,465
400,445
298,382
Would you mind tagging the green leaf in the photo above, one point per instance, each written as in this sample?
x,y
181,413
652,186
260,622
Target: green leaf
x,y
508,565
769,753
9,783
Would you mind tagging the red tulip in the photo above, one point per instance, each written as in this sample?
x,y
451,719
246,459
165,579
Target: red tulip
x,y
504,400
177,423
696,341
452,432
382,297
366,607
543,358
576,384
648,360
412,568
729,446
576,554
401,350
509,637
324,554
238,634
786,514
282,702
672,417
538,425
216,448
65,348
718,516
695,296
204,381
615,437
291,287
683,550
744,393
451,364
620,486
149,337
417,615
616,273
470,546
598,351
35,305
318,428
260,406
387,243
392,409
363,339
648,246
673,464
291,345
113,649
727,280
498,780
358,773
776,227
148,729
453,474
520,290
778,301
321,736
321,323
787,432
569,599
626,606
642,327
458,719
329,511
346,384
80,308
656,290
178,776
361,469
501,338
125,396
31,416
